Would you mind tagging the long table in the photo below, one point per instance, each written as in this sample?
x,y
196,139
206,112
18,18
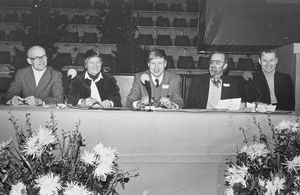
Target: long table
x,y
179,152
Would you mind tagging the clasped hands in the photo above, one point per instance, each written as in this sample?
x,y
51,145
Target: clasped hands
x,y
89,102
30,100
162,102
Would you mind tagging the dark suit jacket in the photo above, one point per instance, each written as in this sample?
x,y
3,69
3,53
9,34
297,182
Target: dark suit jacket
x,y
198,92
170,86
107,87
49,89
284,90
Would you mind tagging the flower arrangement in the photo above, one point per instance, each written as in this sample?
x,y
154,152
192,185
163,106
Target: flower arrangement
x,y
267,166
45,163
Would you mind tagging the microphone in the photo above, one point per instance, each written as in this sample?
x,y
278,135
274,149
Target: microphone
x,y
249,77
71,73
145,80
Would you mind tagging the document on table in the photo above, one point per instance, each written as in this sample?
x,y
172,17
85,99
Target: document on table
x,y
229,104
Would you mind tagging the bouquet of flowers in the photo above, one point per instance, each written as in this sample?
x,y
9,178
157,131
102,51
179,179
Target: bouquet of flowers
x,y
47,164
269,166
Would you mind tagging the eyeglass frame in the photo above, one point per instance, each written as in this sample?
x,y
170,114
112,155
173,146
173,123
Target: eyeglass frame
x,y
218,62
38,58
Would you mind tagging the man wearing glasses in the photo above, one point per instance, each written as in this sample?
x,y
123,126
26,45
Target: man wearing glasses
x,y
36,84
207,89
165,85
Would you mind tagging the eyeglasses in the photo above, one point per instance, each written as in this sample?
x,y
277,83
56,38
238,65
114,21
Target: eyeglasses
x,y
218,62
156,64
38,58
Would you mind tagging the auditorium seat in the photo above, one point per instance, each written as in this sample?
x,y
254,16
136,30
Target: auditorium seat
x,y
145,39
78,19
163,21
185,62
231,64
15,35
89,38
79,60
179,22
94,20
27,19
144,5
164,40
11,17
192,6
107,62
85,4
61,59
71,37
106,40
161,7
170,62
203,63
182,40
193,23
176,7
69,4
145,21
195,41
2,35
4,57
245,64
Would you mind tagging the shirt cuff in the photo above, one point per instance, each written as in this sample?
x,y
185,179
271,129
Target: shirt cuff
x,y
80,102
111,104
174,105
136,104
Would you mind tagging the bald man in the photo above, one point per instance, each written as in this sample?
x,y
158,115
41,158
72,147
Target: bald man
x,y
36,84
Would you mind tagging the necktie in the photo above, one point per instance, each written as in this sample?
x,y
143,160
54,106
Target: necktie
x,y
216,82
157,83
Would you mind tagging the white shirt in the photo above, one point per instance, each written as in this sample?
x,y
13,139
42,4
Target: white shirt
x,y
94,89
38,75
270,81
214,95
160,78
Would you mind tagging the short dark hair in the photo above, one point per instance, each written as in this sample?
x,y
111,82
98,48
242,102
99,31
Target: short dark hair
x,y
267,51
219,52
156,53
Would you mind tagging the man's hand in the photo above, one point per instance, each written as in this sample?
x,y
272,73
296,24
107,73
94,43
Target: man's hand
x,y
33,101
106,104
88,101
145,100
166,102
16,100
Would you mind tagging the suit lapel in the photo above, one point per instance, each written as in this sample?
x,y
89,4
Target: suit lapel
x,y
30,79
165,81
43,83
205,89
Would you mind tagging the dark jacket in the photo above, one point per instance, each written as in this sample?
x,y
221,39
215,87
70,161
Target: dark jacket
x,y
283,86
197,95
107,87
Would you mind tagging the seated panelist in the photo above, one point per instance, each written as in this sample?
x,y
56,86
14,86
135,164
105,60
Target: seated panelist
x,y
94,87
164,85
36,84
206,90
269,86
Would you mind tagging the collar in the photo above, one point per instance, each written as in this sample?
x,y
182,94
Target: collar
x,y
38,71
269,75
160,78
216,81
87,76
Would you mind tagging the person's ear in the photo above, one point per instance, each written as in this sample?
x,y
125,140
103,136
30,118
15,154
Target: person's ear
x,y
259,61
29,61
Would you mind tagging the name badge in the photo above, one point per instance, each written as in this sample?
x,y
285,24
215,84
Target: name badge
x,y
165,86
226,84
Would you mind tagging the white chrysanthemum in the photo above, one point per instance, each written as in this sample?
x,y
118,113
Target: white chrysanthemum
x,y
18,189
261,182
88,158
49,184
287,126
102,170
73,188
107,154
255,150
5,144
229,191
275,185
36,144
237,174
294,164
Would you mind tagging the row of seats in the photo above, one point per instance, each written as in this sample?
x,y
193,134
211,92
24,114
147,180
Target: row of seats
x,y
165,40
165,22
191,6
183,62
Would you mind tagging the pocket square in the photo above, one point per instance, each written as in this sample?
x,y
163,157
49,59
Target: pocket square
x,y
226,84
165,86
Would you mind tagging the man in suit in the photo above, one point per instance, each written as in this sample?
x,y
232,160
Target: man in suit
x,y
36,84
206,90
269,85
165,85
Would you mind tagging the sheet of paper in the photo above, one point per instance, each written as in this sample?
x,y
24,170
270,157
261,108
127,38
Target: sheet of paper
x,y
265,108
229,104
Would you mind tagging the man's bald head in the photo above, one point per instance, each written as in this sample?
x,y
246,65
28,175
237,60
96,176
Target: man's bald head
x,y
35,49
36,56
